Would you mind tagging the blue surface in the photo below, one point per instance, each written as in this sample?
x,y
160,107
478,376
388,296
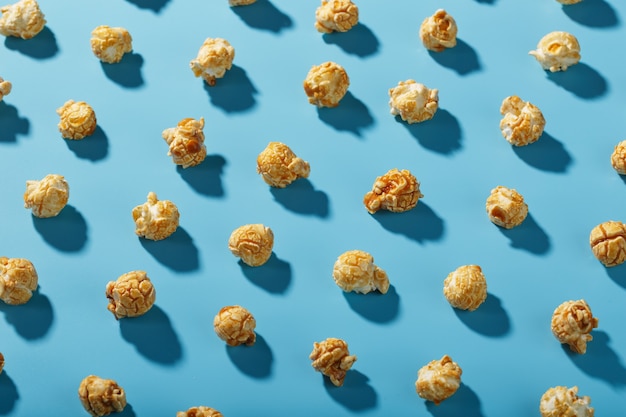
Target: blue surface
x,y
170,359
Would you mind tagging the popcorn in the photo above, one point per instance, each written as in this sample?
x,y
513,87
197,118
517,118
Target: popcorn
x,y
438,380
332,358
557,51
564,402
101,397
438,31
77,119
5,88
523,122
506,207
235,325
608,243
414,102
252,243
214,58
186,142
466,287
336,16
240,2
109,44
131,295
1,362
155,219
396,191
572,322
618,158
568,2
279,166
200,411
355,271
18,280
48,196
23,19
326,84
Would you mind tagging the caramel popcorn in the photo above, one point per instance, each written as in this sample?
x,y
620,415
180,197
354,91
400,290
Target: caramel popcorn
x,y
414,102
355,271
336,16
438,380
77,119
332,358
396,191
618,158
5,88
608,243
155,219
564,402
200,411
1,362
506,207
18,280
214,58
131,295
23,19
466,287
522,123
557,51
568,2
572,323
186,142
109,44
235,326
252,243
48,196
326,84
279,166
240,2
438,31
101,397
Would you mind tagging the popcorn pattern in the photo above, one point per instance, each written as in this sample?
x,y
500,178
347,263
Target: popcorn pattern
x,y
279,166
101,397
523,122
557,51
326,84
572,323
215,57
5,88
396,191
438,380
465,288
109,44
562,401
18,280
332,358
200,411
336,16
186,142
608,243
413,102
131,295
77,120
355,271
235,325
506,207
23,19
252,243
155,219
48,196
240,2
438,32
618,158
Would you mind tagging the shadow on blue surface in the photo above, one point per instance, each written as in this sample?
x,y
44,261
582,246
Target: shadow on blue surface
x,y
359,41
42,46
66,232
528,236
490,319
464,403
580,80
441,134
263,15
127,72
274,276
618,274
128,411
177,252
419,224
600,361
153,336
93,148
547,154
32,320
154,5
351,115
486,1
234,93
592,13
255,361
356,394
8,394
302,198
11,124
374,306
205,178
463,59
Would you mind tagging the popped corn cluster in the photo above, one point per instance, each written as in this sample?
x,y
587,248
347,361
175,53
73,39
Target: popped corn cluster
x,y
214,58
18,280
522,122
279,166
109,44
438,32
131,295
557,51
326,84
1,362
235,325
506,207
23,19
618,158
465,288
336,16
332,358
568,2
396,191
5,88
101,397
186,142
608,243
240,2
562,401
572,323
354,270
438,380
200,411
253,243
413,101
78,120
48,196
155,219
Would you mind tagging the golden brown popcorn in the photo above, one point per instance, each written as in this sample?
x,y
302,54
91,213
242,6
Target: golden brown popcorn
x,y
252,243
186,142
413,102
77,119
332,358
279,166
355,271
214,58
572,323
110,44
438,380
523,122
506,207
5,88
235,326
101,397
131,295
23,19
557,51
567,2
564,402
439,31
326,84
608,243
200,411
396,191
240,2
618,158
336,16
1,362
155,219
18,280
465,288
48,196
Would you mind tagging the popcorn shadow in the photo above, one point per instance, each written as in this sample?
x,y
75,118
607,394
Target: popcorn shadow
x,y
11,124
302,198
374,306
32,320
263,15
153,336
255,361
234,93
462,58
580,80
600,361
359,41
547,154
490,319
206,177
42,46
356,394
486,1
93,148
441,134
177,252
127,411
464,402
592,13
618,274
528,236
66,232
352,115
420,224
8,394
127,72
274,276
155,5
